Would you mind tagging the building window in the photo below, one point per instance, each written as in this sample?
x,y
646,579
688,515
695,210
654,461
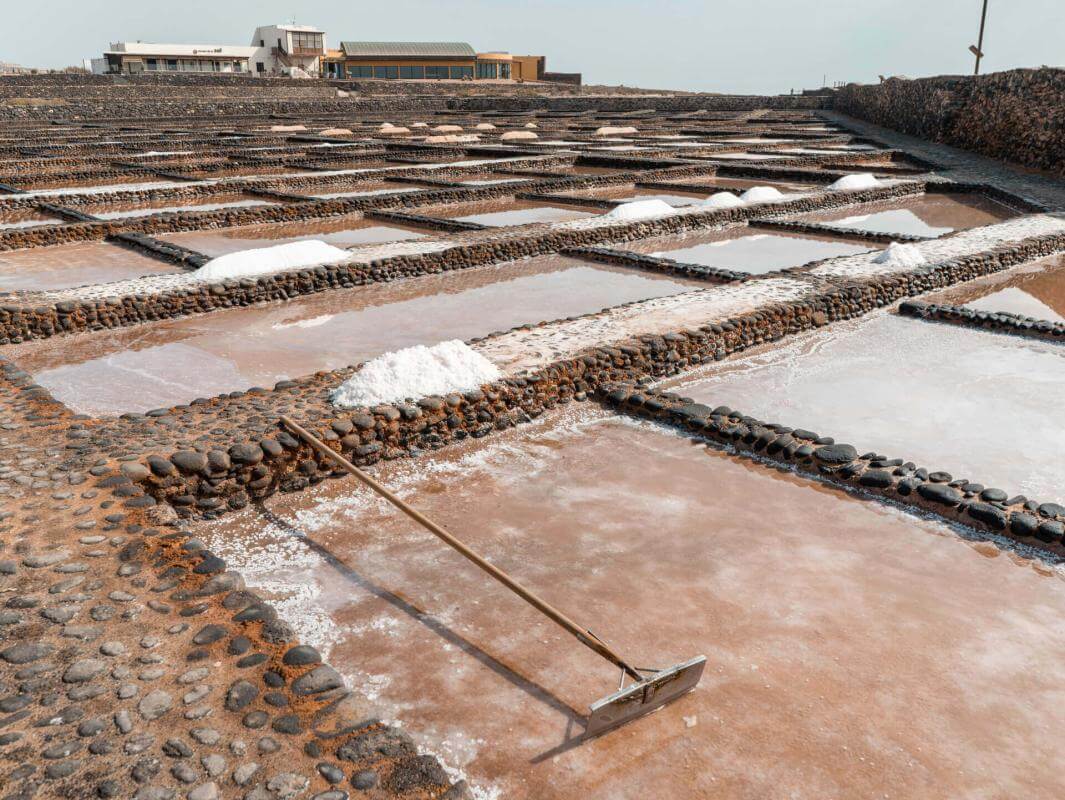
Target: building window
x,y
486,70
504,71
458,73
386,72
171,64
260,66
436,73
412,73
307,41
153,65
360,72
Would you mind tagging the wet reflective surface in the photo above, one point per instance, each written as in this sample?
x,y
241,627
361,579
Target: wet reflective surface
x,y
343,231
25,218
926,215
1036,290
978,405
65,265
746,249
165,363
499,213
853,651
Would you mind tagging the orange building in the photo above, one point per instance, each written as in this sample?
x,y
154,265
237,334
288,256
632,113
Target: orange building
x,y
427,61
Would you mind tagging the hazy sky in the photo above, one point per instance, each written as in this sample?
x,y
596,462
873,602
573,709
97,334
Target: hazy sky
x,y
715,45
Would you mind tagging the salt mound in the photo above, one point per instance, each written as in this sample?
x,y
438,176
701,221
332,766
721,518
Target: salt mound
x,y
419,124
862,180
264,260
510,136
447,128
485,126
531,125
900,255
416,372
386,125
284,128
335,132
722,200
608,130
640,209
761,194
452,138
394,130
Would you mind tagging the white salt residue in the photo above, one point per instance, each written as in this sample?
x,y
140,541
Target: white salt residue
x,y
485,126
447,128
640,209
150,153
416,372
278,566
900,255
608,130
531,349
115,187
452,138
861,180
722,200
761,194
512,135
313,322
265,260
286,128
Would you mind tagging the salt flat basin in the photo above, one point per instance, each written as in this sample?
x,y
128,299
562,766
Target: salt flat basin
x,y
975,404
499,213
65,265
25,218
746,249
853,651
1035,290
347,230
170,362
213,202
925,215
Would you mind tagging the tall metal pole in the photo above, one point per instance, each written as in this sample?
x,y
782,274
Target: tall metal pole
x,y
980,40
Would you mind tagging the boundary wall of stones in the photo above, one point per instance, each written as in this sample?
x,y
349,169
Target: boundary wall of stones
x,y
994,321
19,323
1015,116
985,508
221,478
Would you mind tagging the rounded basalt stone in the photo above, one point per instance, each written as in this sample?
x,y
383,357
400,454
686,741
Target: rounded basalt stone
x,y
248,454
940,477
1023,524
300,655
835,454
1051,510
331,772
994,518
876,479
255,719
189,461
240,695
994,495
135,471
218,461
364,779
940,493
209,634
1050,531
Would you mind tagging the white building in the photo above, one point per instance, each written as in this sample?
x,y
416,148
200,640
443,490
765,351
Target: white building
x,y
274,50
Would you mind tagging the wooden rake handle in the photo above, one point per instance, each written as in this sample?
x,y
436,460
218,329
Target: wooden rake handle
x,y
583,635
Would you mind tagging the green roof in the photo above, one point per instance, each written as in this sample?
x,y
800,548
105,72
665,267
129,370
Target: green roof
x,y
408,49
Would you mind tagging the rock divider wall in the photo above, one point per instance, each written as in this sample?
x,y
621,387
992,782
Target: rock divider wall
x,y
1013,116
995,321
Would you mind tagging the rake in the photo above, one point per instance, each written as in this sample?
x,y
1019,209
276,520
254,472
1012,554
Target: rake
x,y
650,688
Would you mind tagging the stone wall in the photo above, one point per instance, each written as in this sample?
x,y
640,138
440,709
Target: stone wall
x,y
1016,116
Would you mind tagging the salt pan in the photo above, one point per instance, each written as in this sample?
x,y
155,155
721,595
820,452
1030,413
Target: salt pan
x,y
265,260
416,372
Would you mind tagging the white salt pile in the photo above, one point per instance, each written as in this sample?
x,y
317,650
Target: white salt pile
x,y
485,126
761,194
861,180
900,255
452,138
416,372
531,125
608,130
447,128
394,130
264,260
722,200
335,132
420,125
284,128
510,136
640,209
